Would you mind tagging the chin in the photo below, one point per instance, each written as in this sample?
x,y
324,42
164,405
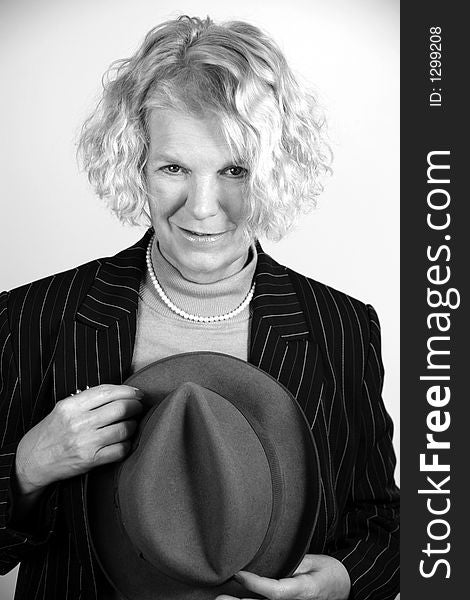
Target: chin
x,y
203,266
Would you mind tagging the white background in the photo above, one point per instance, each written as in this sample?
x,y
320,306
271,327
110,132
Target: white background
x,y
53,54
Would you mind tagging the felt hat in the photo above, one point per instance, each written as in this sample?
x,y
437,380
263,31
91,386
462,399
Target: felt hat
x,y
223,476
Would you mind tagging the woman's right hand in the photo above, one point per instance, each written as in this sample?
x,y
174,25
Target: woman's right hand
x,y
82,431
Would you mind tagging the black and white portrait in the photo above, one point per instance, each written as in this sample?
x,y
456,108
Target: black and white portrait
x,y
199,376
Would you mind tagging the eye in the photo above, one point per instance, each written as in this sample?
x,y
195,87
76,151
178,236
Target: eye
x,y
172,169
235,172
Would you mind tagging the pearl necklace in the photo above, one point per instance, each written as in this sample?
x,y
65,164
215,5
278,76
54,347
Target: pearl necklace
x,y
184,314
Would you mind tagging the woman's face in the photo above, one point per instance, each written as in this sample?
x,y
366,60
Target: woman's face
x,y
196,191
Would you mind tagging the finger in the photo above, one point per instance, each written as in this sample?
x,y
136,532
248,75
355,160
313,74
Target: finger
x,y
115,433
278,589
113,453
309,563
103,394
113,412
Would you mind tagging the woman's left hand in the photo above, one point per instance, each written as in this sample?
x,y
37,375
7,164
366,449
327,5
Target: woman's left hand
x,y
318,577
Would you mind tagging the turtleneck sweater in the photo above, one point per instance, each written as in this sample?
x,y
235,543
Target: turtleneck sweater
x,y
161,332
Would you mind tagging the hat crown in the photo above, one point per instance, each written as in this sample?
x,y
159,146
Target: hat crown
x,y
120,516
195,502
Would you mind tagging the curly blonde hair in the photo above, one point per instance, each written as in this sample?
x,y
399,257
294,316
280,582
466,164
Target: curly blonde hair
x,y
237,73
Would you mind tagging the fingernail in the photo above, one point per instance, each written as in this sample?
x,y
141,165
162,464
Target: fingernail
x,y
238,577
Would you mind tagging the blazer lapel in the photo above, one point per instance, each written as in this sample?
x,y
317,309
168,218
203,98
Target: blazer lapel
x,y
113,294
281,342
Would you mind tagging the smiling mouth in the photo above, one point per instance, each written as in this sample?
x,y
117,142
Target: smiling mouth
x,y
200,235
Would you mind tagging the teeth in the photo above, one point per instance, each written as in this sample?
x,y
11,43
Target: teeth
x,y
201,235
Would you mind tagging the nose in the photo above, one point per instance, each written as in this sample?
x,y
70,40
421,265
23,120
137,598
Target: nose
x,y
202,200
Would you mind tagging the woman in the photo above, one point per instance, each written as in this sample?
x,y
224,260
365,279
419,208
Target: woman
x,y
205,133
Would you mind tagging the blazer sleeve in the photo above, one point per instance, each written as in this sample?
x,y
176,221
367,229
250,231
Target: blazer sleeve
x,y
17,540
367,538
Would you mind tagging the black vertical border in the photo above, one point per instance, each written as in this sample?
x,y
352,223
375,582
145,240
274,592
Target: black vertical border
x,y
426,128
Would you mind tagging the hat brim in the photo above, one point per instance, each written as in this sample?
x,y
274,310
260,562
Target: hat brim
x,y
270,404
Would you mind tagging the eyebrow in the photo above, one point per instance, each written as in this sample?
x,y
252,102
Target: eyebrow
x,y
170,158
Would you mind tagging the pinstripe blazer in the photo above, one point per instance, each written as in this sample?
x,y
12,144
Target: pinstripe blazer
x,y
77,328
